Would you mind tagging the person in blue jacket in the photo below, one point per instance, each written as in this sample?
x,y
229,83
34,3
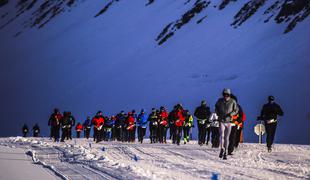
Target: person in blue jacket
x,y
107,128
87,127
142,124
113,134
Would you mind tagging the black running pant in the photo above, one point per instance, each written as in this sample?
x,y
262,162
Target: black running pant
x,y
201,133
271,131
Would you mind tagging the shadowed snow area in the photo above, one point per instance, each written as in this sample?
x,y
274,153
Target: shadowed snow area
x,y
88,55
83,159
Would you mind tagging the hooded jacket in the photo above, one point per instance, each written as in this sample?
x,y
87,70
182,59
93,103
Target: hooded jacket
x,y
226,109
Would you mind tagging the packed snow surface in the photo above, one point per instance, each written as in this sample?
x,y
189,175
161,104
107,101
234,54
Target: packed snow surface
x,y
15,164
83,159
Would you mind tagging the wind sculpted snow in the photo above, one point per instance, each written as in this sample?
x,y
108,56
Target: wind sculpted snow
x,y
114,160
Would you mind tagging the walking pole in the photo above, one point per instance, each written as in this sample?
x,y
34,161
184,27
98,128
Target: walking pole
x,y
260,133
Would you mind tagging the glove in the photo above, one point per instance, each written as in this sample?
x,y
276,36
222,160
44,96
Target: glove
x,y
227,116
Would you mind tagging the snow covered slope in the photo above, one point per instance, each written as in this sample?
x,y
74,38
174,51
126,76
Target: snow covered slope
x,y
81,159
117,55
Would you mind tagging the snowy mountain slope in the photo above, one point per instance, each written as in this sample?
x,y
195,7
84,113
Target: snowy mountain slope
x,y
114,160
113,62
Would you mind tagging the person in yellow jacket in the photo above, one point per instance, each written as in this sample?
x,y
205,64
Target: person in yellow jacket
x,y
188,123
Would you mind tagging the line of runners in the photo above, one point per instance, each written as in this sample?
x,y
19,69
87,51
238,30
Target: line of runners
x,y
223,127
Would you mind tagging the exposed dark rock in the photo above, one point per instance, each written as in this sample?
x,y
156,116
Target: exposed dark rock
x,y
225,3
200,20
106,7
70,3
53,12
31,4
171,28
293,11
3,2
188,1
247,11
288,11
150,2
165,30
45,12
290,8
271,11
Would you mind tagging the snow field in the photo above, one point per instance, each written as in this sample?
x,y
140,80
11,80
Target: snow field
x,y
78,159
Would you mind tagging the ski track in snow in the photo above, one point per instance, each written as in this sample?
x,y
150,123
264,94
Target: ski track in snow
x,y
75,159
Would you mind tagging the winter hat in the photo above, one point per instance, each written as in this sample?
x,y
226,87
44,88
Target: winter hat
x,y
227,91
271,98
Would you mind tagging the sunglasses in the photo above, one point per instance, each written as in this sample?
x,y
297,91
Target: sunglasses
x,y
226,95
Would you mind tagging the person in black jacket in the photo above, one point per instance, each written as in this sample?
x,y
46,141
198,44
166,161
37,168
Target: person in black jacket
x,y
269,115
72,124
120,125
202,113
65,124
171,124
25,130
54,123
36,130
153,124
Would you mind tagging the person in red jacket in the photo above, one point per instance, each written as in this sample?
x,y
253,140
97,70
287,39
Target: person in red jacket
x,y
163,124
179,117
98,122
130,127
79,129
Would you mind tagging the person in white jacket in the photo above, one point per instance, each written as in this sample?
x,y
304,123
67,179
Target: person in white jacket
x,y
215,130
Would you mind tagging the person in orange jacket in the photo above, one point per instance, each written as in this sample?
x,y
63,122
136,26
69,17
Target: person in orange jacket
x,y
98,122
179,117
79,129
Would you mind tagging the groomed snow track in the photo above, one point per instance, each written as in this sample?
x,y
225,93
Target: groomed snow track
x,y
83,159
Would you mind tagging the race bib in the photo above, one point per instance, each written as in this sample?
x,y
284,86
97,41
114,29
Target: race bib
x,y
271,121
202,121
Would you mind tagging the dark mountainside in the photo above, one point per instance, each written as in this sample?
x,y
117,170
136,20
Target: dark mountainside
x,y
290,12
